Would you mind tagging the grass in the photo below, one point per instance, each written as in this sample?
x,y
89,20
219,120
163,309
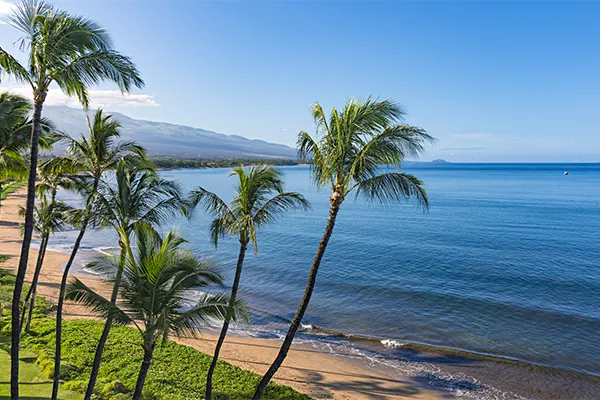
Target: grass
x,y
2,258
33,383
177,372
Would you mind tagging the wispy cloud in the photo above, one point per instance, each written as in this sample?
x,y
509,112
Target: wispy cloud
x,y
99,98
6,8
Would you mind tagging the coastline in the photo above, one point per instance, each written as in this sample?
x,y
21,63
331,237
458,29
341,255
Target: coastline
x,y
308,369
328,364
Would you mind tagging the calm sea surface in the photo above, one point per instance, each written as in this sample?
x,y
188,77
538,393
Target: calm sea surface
x,y
506,262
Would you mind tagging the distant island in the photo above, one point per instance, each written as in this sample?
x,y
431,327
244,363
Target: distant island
x,y
440,161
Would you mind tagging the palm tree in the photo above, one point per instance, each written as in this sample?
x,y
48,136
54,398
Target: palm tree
x,y
15,136
155,286
135,196
50,216
348,156
74,53
259,200
91,157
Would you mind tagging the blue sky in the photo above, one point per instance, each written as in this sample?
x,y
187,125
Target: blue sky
x,y
506,81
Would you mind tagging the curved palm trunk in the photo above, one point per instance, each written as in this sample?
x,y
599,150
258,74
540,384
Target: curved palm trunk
x,y
234,290
24,258
107,325
30,297
139,386
310,285
59,309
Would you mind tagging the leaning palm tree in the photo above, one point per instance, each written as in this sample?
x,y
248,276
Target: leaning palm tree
x,y
136,195
259,199
50,216
91,156
15,136
155,286
73,53
353,145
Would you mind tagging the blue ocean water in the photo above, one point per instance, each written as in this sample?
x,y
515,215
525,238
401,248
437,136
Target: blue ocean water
x,y
506,261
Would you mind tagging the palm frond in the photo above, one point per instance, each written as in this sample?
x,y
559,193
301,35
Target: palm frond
x,y
81,293
392,187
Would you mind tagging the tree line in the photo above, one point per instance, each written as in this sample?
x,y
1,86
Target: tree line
x,y
153,273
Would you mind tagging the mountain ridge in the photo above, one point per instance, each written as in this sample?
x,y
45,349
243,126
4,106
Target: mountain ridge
x,y
169,139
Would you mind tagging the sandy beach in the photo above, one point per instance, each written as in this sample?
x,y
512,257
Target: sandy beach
x,y
306,369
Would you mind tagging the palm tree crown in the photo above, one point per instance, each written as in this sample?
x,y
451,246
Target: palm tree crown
x,y
15,135
134,195
258,201
71,51
354,143
101,151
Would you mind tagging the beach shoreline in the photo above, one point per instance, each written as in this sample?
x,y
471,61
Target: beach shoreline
x,y
307,369
328,364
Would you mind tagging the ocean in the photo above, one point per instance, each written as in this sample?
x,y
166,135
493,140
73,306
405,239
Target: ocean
x,y
504,270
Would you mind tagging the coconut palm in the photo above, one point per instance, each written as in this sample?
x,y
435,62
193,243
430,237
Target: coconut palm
x,y
259,199
91,156
155,286
136,195
73,53
354,144
15,136
50,216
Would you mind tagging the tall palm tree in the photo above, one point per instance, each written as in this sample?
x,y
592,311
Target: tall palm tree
x,y
73,53
155,286
15,136
135,196
259,199
50,216
91,156
353,145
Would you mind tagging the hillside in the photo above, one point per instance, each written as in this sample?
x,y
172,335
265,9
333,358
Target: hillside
x,y
163,139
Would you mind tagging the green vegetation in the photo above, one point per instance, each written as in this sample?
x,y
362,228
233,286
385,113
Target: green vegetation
x,y
10,187
74,53
35,385
2,258
180,163
155,287
137,196
177,372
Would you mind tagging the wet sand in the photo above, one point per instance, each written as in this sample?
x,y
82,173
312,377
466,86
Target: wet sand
x,y
308,369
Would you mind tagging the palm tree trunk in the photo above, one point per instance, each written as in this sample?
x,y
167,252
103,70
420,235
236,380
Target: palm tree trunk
x,y
24,258
234,290
30,297
59,309
310,285
139,386
107,325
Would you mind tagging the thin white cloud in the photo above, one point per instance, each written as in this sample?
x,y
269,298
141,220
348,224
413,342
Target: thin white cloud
x,y
109,99
6,8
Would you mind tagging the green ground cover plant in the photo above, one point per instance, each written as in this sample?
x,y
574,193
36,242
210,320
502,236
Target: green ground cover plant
x,y
178,372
